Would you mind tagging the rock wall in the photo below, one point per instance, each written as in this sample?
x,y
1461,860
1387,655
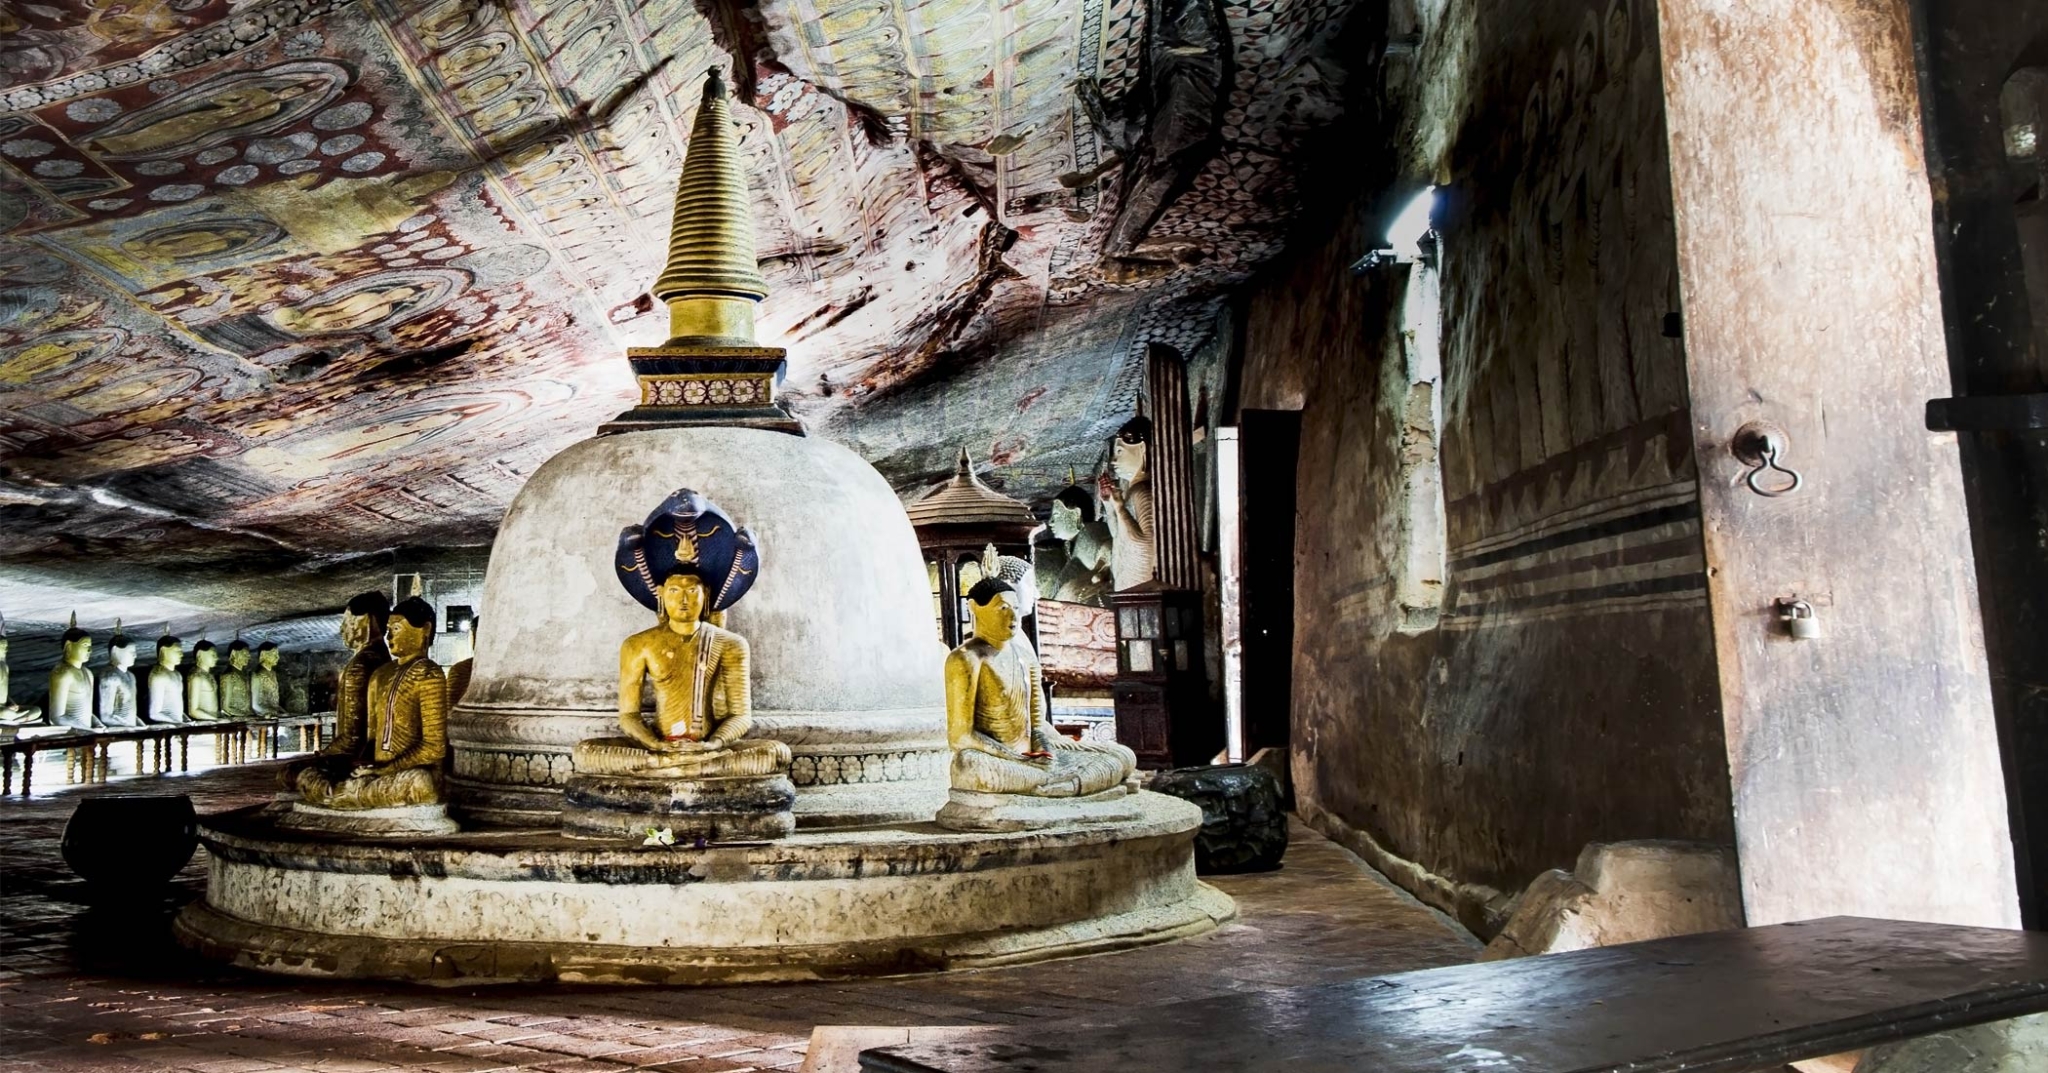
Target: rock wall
x,y
1562,689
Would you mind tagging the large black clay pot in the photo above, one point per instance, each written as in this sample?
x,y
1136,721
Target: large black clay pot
x,y
131,845
1244,827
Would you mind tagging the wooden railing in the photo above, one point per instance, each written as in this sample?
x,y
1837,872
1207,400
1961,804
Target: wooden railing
x,y
88,754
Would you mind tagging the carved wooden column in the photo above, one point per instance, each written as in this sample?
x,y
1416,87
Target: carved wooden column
x,y
1172,463
1163,709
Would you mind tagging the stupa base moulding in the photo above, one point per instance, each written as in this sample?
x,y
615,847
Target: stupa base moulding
x,y
535,906
403,821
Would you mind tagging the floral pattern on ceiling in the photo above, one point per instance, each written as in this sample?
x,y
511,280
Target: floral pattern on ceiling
x,y
329,276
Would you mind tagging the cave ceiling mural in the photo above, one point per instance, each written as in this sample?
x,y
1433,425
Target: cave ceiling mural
x,y
312,278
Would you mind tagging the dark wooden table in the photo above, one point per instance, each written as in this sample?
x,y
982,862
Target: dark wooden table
x,y
1723,1002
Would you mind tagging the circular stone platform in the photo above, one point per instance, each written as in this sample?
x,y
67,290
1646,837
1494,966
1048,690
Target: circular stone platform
x,y
504,906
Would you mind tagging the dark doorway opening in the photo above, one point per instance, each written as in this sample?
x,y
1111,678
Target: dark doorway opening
x,y
1269,444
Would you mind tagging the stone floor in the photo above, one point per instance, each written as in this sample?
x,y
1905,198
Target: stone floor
x,y
86,988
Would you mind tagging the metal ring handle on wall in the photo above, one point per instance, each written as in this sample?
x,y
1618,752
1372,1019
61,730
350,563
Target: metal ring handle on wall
x,y
1767,459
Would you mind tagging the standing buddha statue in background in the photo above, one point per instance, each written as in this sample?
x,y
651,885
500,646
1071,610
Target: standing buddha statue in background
x,y
1127,505
202,693
166,685
264,699
117,692
71,684
234,682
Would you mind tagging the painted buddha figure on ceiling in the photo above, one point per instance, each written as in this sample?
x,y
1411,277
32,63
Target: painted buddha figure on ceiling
x,y
13,713
363,624
202,692
1003,744
688,563
166,685
234,682
1127,505
397,761
265,699
118,696
71,684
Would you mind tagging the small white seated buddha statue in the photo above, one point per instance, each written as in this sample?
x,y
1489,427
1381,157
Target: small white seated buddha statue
x,y
12,712
71,683
166,684
202,690
118,696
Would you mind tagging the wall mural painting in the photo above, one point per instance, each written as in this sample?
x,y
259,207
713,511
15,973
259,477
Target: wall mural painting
x,y
377,259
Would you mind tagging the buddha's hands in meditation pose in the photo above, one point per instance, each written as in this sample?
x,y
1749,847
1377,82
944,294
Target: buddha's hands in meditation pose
x,y
995,714
703,700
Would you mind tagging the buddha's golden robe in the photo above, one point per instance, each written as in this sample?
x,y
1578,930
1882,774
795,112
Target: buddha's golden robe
x,y
995,707
202,697
263,699
702,693
234,694
405,737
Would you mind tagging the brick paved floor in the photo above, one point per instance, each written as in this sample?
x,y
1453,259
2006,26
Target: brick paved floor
x,y
91,988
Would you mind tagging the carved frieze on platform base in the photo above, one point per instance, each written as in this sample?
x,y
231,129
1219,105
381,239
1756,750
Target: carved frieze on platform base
x,y
740,808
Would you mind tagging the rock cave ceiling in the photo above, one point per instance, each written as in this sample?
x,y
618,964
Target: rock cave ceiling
x,y
287,283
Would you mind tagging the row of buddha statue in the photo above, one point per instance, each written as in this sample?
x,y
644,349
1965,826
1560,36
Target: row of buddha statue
x,y
110,696
692,770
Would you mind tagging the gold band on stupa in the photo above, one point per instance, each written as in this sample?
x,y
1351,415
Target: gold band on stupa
x,y
711,371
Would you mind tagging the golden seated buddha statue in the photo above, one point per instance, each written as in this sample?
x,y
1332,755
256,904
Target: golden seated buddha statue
x,y
1006,753
703,701
387,759
693,772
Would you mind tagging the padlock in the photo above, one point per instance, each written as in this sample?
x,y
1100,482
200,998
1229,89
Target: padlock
x,y
1799,619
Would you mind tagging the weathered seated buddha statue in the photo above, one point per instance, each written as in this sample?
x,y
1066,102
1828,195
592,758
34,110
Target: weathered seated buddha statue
x,y
71,684
692,769
118,700
391,777
363,624
202,691
12,713
166,685
234,682
1011,770
264,698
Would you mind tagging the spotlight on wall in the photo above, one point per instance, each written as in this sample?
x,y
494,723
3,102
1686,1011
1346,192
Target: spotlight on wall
x,y
1410,238
459,617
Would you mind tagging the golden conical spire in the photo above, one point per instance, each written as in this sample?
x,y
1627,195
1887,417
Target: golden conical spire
x,y
711,283
711,371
